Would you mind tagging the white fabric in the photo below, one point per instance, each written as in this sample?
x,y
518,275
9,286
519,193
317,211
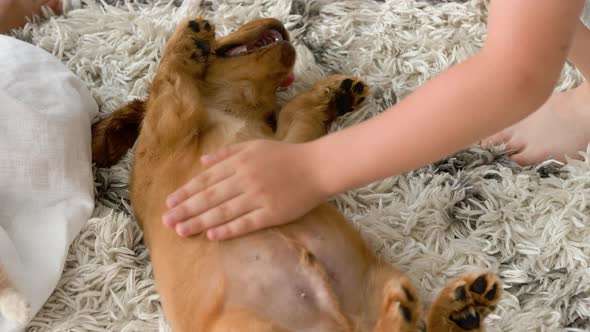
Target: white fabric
x,y
46,182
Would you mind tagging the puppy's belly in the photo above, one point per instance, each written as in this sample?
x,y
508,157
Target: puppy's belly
x,y
308,276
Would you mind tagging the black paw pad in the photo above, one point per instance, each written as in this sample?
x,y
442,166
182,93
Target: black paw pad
x,y
409,295
343,103
491,294
202,45
406,313
479,285
469,322
359,87
460,293
346,84
193,25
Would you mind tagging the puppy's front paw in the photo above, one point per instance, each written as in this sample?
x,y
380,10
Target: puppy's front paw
x,y
201,34
349,95
190,48
342,94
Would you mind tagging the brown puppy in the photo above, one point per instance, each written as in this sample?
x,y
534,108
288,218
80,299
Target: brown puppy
x,y
315,274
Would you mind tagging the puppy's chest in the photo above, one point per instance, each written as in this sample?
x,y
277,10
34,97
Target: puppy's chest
x,y
224,123
232,128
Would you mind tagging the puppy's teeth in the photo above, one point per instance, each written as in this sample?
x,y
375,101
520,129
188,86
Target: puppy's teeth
x,y
268,38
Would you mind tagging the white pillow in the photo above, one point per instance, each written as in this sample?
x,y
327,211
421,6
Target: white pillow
x,y
46,182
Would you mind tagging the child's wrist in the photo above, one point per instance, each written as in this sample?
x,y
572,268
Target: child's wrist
x,y
320,169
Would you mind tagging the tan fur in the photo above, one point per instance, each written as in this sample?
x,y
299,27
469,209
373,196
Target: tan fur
x,y
315,274
12,305
114,136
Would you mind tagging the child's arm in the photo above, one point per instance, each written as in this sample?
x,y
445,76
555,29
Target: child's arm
x,y
513,74
260,184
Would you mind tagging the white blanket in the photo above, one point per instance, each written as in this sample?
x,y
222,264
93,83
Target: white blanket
x,y
46,182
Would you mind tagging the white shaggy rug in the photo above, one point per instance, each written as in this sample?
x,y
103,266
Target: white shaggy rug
x,y
473,211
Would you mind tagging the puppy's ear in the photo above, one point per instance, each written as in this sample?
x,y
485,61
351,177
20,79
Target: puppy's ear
x,y
114,135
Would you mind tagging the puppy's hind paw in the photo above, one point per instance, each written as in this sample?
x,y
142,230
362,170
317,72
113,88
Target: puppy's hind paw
x,y
400,308
467,301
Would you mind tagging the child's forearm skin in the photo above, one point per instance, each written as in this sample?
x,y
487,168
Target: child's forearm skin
x,y
513,74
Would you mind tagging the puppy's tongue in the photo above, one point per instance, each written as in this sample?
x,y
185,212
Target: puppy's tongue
x,y
290,79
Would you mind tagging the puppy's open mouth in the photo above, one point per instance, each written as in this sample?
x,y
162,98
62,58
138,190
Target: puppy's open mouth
x,y
268,38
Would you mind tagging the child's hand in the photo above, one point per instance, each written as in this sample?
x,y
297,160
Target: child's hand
x,y
248,187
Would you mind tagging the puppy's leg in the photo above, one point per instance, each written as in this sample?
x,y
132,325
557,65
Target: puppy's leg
x,y
307,116
173,108
114,135
184,61
464,304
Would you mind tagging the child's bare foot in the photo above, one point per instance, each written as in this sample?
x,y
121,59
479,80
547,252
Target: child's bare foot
x,y
14,13
558,128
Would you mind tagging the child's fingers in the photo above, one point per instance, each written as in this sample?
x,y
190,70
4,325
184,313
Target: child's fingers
x,y
223,213
199,183
243,225
222,154
202,201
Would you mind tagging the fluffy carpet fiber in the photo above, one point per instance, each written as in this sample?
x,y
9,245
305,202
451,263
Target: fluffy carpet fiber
x,y
472,211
